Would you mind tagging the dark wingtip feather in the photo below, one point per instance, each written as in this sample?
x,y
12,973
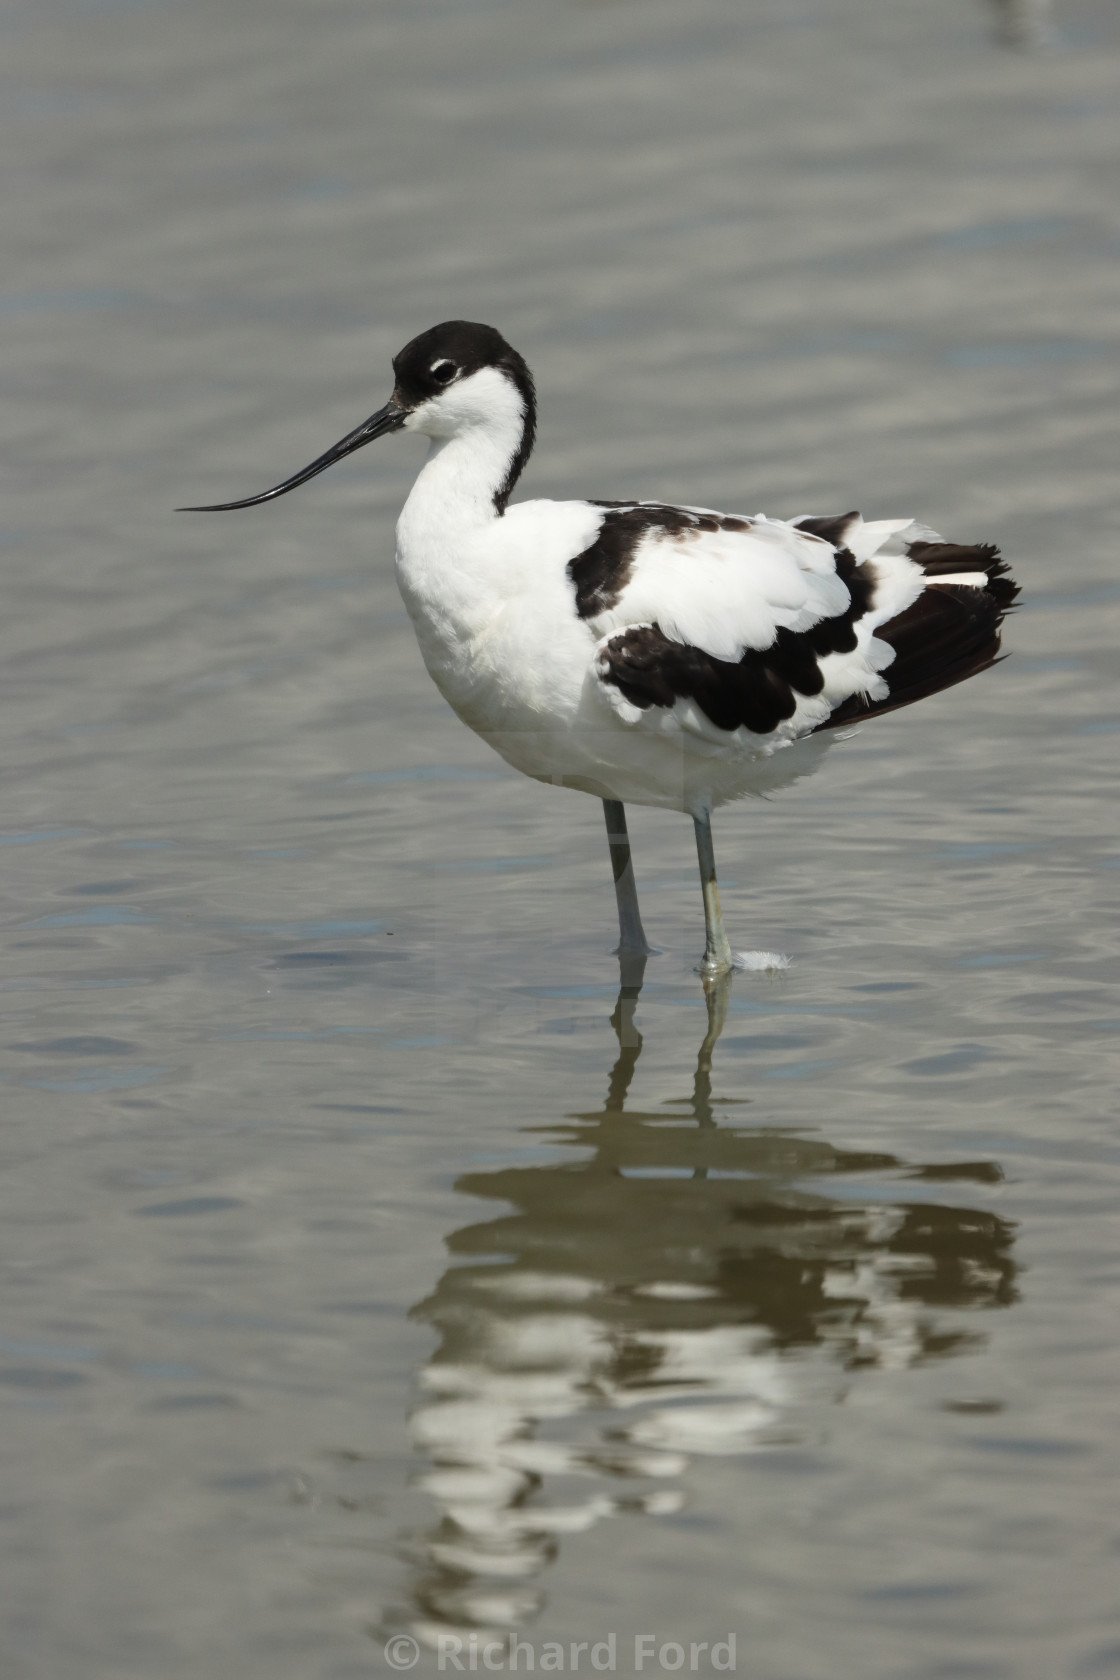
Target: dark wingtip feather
x,y
950,633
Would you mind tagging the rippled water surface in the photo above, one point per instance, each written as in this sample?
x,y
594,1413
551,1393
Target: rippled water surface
x,y
376,1260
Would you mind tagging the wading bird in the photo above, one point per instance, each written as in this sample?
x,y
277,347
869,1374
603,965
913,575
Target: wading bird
x,y
668,656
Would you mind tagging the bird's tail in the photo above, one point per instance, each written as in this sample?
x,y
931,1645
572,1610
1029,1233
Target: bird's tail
x,y
950,632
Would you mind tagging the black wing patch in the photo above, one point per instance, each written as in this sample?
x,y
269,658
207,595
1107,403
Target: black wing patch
x,y
838,635
831,528
757,693
602,571
950,633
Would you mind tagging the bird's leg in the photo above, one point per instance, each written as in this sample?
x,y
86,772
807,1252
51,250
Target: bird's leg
x,y
717,950
632,939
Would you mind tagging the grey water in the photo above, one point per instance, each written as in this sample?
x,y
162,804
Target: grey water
x,y
377,1262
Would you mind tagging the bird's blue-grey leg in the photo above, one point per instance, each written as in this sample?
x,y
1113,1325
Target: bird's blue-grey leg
x,y
717,949
631,935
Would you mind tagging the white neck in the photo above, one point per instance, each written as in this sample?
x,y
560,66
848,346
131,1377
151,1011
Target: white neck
x,y
460,478
476,429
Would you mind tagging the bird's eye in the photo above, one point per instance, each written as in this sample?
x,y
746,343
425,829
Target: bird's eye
x,y
442,372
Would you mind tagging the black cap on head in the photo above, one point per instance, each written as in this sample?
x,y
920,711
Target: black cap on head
x,y
453,350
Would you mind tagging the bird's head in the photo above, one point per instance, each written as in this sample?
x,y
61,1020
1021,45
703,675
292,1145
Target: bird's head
x,y
451,379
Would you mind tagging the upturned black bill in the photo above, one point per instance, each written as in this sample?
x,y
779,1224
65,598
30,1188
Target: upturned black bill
x,y
388,419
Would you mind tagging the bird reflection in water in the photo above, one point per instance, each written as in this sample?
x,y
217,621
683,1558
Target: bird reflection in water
x,y
640,1305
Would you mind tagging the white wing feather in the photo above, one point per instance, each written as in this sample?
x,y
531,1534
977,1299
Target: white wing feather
x,y
730,592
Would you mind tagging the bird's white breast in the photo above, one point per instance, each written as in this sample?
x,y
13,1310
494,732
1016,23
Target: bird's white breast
x,y
492,606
